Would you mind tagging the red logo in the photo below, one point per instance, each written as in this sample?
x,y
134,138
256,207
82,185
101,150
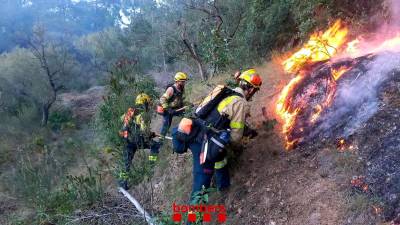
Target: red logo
x,y
199,212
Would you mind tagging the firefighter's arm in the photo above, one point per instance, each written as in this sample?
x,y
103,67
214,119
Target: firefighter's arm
x,y
126,118
124,130
165,97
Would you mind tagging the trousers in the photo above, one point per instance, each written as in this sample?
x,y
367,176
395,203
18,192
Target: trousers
x,y
130,150
167,120
203,173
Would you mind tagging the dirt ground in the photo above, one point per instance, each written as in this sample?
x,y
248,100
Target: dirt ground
x,y
274,186
269,184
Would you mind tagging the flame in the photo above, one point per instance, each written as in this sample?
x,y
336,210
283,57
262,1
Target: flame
x,y
336,74
282,109
341,144
389,44
317,110
352,47
359,182
320,47
360,46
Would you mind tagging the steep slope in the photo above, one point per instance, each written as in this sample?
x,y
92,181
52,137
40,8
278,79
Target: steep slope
x,y
273,186
324,182
319,182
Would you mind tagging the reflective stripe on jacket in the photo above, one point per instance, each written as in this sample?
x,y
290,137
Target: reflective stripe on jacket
x,y
234,107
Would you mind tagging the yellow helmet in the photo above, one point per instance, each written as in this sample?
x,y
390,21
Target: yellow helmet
x,y
142,98
180,76
251,76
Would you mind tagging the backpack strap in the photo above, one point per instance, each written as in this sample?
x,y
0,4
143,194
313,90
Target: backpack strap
x,y
176,93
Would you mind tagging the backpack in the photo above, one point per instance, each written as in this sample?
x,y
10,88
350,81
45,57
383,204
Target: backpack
x,y
182,135
176,94
212,100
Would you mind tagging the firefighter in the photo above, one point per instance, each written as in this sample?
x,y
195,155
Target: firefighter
x,y
232,111
171,102
137,134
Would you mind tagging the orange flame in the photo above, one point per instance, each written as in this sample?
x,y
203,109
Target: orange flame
x,y
323,46
336,74
341,144
318,110
282,109
320,47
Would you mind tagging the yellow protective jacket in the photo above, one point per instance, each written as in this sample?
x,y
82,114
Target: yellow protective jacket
x,y
235,108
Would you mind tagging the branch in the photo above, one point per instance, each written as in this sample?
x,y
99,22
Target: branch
x,y
54,73
59,88
212,13
232,35
187,43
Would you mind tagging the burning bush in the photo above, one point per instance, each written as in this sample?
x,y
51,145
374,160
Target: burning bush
x,y
339,93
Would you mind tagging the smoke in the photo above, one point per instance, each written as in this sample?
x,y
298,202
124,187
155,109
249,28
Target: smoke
x,y
357,99
395,12
385,38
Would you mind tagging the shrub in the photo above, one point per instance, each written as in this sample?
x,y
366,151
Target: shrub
x,y
124,86
39,180
61,119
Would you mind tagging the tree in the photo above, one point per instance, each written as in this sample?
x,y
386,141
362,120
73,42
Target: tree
x,y
206,31
52,58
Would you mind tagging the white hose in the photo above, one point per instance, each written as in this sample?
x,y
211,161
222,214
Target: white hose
x,y
137,205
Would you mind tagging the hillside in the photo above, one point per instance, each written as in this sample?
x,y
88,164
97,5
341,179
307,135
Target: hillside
x,y
326,114
270,185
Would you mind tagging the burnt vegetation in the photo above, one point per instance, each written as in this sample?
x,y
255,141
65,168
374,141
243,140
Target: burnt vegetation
x,y
366,118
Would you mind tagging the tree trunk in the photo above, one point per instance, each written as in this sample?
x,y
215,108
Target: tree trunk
x,y
45,114
46,109
202,73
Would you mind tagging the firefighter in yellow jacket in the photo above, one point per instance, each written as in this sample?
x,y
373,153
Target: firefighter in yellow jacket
x,y
171,102
137,134
229,114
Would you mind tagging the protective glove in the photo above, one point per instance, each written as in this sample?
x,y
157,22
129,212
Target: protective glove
x,y
152,135
250,133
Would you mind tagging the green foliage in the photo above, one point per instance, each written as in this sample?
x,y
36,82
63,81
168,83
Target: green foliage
x,y
39,141
87,189
39,180
61,119
37,183
270,124
19,88
225,34
124,86
165,219
141,168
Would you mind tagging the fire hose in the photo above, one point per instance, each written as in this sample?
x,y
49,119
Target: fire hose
x,y
137,205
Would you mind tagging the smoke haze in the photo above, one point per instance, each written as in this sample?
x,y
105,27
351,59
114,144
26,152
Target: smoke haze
x,y
357,99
